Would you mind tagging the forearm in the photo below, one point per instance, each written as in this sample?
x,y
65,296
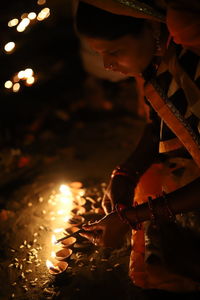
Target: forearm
x,y
183,200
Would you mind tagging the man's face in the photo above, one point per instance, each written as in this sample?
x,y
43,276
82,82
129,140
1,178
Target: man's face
x,y
127,55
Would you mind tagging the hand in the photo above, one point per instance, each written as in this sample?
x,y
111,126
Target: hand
x,y
120,190
108,232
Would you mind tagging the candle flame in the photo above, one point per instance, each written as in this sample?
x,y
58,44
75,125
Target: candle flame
x,y
66,219
49,264
53,254
65,190
53,239
57,230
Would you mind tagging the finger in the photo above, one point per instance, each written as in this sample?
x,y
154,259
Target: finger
x,y
88,235
92,227
106,207
93,238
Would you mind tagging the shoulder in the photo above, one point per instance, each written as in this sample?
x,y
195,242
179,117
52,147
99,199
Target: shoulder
x,y
183,23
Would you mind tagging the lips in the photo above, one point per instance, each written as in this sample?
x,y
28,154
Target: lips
x,y
120,71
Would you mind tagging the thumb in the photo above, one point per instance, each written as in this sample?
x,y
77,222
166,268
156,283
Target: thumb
x,y
92,227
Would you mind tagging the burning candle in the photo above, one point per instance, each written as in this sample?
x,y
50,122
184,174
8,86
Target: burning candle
x,y
57,267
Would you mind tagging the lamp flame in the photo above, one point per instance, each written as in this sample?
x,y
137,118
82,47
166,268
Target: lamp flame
x,y
49,264
53,239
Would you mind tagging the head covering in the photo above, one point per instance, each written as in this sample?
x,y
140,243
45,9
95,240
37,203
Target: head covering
x,y
133,8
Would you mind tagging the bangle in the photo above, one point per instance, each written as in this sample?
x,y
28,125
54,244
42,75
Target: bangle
x,y
124,172
151,209
121,210
171,216
160,210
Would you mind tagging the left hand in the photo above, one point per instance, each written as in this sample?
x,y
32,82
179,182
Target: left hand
x,y
108,232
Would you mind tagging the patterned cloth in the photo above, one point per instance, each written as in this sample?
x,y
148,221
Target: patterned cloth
x,y
191,64
150,264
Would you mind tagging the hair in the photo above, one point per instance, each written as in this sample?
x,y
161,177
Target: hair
x,y
97,23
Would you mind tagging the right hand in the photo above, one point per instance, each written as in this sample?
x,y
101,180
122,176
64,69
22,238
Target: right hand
x,y
120,190
109,231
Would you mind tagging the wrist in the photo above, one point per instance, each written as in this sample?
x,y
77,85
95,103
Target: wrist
x,y
122,211
132,176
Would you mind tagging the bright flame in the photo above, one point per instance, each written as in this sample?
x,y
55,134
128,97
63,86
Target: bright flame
x,y
53,239
32,15
60,212
65,190
58,230
49,264
66,219
8,84
9,46
30,80
21,74
43,14
53,254
28,72
16,87
23,24
13,22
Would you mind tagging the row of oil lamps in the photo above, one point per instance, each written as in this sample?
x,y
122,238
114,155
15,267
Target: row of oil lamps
x,y
73,207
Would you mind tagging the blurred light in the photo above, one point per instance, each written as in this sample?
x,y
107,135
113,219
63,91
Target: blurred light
x,y
20,74
30,80
13,22
23,24
28,72
32,15
8,84
49,264
43,14
9,46
58,230
65,190
53,239
41,2
16,87
20,28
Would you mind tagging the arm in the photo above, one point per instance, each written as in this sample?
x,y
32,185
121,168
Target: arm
x,y
121,188
184,23
182,200
110,230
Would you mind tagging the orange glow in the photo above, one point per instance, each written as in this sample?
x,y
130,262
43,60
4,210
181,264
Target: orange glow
x,y
16,87
13,22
